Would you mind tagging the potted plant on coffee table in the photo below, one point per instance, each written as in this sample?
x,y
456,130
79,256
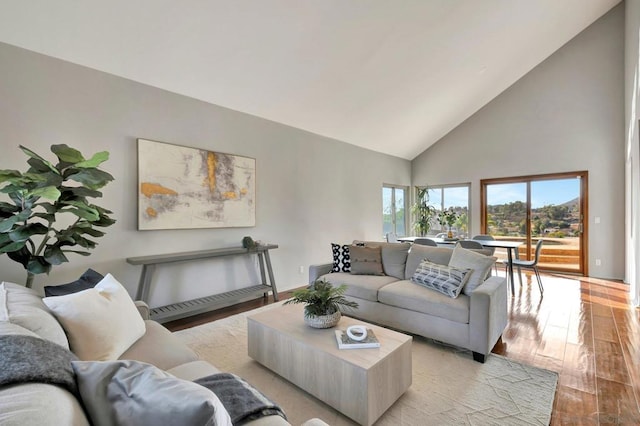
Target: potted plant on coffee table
x,y
322,303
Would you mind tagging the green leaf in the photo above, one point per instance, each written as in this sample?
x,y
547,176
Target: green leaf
x,y
50,218
82,210
92,178
23,233
38,265
79,191
15,246
48,192
7,209
94,161
9,175
7,224
37,157
54,255
66,154
21,256
81,253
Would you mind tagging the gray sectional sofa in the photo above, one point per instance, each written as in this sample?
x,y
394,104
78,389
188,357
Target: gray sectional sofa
x,y
473,321
22,312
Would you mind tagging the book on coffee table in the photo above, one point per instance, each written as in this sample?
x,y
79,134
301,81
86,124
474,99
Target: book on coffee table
x,y
345,342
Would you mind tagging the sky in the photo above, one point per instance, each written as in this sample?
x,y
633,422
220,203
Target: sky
x,y
543,193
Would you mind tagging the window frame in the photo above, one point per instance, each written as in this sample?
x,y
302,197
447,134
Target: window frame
x,y
441,188
394,221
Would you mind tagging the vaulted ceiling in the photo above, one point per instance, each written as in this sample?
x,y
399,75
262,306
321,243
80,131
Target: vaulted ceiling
x,y
390,76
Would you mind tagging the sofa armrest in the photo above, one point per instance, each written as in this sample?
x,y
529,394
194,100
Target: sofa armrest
x,y
143,308
316,271
488,314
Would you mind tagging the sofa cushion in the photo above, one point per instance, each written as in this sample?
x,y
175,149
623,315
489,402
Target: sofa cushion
x,y
173,352
10,329
366,260
406,295
441,278
360,286
116,392
341,258
101,322
418,253
193,370
33,404
87,280
24,307
479,264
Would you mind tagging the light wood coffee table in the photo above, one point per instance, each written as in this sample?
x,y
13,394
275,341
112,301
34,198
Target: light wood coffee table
x,y
360,383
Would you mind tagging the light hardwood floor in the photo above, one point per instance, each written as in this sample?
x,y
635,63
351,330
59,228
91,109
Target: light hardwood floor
x,y
583,328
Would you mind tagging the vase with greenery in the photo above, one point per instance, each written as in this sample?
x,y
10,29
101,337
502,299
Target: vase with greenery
x,y
322,303
448,217
50,212
423,213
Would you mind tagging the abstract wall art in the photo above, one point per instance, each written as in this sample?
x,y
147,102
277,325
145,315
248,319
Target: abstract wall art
x,y
182,188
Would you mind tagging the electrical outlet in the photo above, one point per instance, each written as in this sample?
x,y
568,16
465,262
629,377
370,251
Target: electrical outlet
x,y
598,262
301,269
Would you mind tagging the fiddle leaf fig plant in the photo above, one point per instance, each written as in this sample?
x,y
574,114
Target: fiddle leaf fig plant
x,y
50,212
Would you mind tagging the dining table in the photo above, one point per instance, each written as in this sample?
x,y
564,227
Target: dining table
x,y
510,246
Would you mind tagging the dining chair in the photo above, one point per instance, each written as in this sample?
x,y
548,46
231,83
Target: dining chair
x,y
470,244
529,264
392,237
475,246
487,237
425,242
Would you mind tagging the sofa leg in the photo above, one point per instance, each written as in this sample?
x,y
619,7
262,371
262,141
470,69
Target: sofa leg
x,y
479,357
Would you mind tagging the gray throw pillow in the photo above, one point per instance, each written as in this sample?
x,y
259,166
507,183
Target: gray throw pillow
x,y
366,260
478,263
441,278
128,393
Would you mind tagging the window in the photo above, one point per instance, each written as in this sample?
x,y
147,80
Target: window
x,y
455,197
394,207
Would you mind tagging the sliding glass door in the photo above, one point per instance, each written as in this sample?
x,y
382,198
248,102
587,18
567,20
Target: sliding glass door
x,y
551,207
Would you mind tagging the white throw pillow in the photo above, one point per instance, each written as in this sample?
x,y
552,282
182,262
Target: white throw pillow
x,y
479,264
101,322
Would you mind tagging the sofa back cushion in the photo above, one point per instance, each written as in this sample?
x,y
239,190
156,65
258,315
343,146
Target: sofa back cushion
x,y
24,307
394,257
418,253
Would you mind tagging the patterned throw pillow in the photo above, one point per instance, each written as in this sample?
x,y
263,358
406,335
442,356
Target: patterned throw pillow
x,y
441,278
341,258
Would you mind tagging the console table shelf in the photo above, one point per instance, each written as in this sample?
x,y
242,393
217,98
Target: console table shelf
x,y
196,306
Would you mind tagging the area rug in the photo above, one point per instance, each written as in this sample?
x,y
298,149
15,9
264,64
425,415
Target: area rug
x,y
449,388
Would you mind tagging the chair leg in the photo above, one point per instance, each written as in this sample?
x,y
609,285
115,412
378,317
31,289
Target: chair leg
x,y
535,268
520,275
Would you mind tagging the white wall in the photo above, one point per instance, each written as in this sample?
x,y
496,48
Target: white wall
x,y
632,149
565,115
311,190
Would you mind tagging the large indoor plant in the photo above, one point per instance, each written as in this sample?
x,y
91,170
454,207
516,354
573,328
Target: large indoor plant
x,y
423,212
322,303
49,212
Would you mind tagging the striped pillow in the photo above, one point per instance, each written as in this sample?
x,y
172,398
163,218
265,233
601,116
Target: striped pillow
x,y
441,278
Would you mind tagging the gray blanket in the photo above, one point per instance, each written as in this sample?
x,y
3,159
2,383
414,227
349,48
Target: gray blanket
x,y
28,359
242,401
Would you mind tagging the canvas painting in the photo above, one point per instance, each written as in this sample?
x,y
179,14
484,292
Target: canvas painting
x,y
181,188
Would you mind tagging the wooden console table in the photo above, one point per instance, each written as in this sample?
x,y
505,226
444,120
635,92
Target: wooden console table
x,y
208,303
